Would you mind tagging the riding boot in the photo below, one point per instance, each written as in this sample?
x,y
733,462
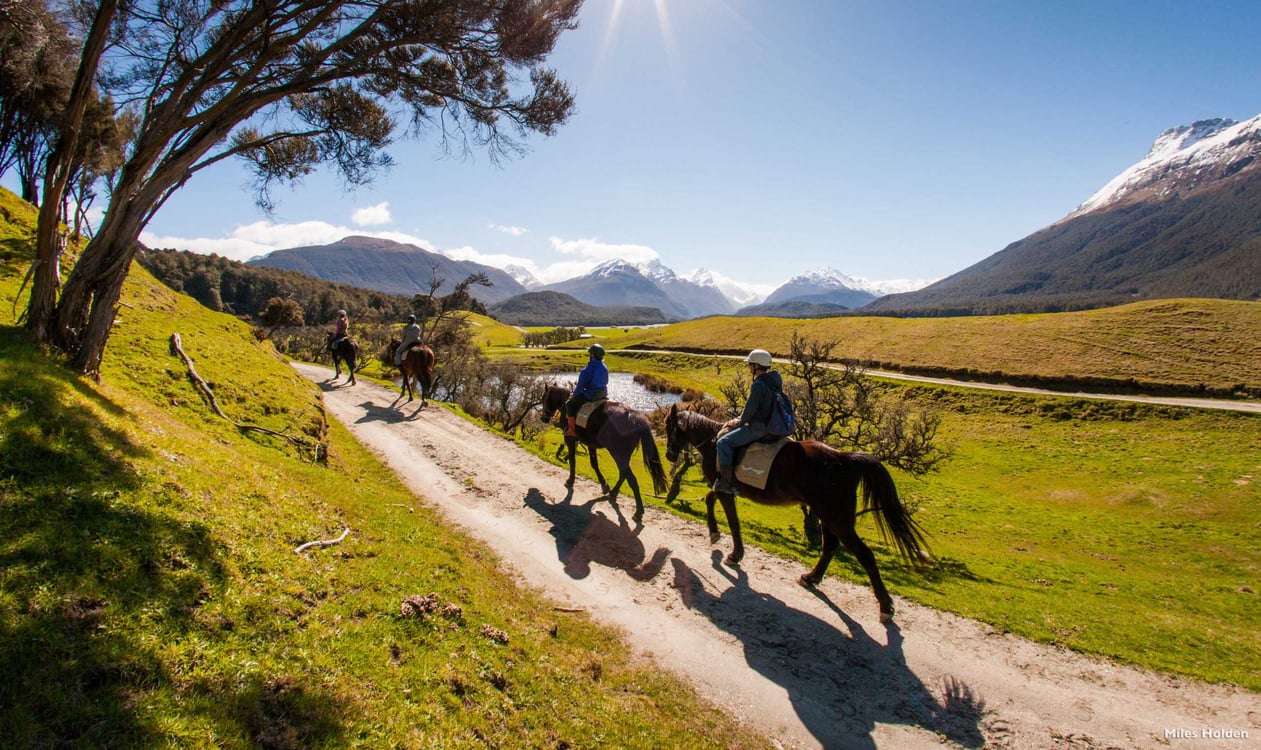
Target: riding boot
x,y
726,482
571,426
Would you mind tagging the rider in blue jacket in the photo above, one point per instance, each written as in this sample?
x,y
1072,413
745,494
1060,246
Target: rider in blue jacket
x,y
593,384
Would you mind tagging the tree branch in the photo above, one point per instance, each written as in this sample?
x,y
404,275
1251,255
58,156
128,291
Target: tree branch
x,y
177,348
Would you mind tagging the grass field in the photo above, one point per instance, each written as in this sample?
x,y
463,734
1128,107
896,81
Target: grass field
x,y
150,595
1183,343
1117,529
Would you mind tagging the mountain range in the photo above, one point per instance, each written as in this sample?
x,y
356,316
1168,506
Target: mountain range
x,y
1185,221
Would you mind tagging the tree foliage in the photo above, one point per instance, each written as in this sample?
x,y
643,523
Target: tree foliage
x,y
288,87
844,407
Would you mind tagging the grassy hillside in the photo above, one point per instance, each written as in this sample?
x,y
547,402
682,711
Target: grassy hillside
x,y
1213,345
151,596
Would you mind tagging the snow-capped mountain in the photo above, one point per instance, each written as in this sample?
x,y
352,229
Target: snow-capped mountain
x,y
827,287
620,283
523,276
1182,159
739,292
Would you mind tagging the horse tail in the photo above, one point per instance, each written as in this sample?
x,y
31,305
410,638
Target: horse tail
x,y
892,518
652,460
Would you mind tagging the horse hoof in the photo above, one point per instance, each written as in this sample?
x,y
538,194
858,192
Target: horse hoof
x,y
569,483
714,537
886,616
805,581
732,560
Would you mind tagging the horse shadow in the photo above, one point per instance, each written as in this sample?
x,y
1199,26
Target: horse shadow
x,y
585,537
827,673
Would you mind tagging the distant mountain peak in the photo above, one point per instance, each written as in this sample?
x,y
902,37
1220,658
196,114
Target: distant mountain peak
x,y
1183,158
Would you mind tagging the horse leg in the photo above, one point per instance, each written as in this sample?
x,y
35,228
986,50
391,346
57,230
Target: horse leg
x,y
595,466
572,444
733,523
862,553
710,520
829,544
624,473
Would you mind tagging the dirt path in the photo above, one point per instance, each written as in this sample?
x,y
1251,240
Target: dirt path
x,y
810,669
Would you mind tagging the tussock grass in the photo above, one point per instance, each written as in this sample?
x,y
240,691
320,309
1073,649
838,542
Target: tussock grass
x,y
150,595
1188,344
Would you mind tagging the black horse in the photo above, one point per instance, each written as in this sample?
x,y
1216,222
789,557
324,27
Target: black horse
x,y
417,366
344,350
823,478
618,429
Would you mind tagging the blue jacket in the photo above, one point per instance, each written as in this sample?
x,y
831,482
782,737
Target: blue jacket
x,y
593,381
757,410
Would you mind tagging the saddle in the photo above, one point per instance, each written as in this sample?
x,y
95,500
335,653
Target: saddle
x,y
753,461
586,410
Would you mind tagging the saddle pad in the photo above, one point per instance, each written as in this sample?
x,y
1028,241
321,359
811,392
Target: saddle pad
x,y
755,464
586,410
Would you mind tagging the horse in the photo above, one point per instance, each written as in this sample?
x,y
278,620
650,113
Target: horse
x,y
823,478
618,429
417,365
344,350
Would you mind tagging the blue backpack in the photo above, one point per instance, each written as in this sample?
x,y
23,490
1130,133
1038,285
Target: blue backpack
x,y
782,422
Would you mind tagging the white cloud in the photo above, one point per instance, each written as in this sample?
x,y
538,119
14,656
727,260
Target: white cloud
x,y
514,231
599,251
261,237
372,215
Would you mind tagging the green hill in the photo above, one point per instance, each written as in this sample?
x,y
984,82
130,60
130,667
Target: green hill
x,y
150,595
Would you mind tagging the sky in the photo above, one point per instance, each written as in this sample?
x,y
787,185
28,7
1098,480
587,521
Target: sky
x,y
896,142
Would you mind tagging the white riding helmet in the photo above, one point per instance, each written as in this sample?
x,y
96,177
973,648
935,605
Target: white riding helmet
x,y
341,313
759,357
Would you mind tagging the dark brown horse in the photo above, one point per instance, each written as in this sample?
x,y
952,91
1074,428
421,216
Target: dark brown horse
x,y
418,366
618,429
823,478
345,350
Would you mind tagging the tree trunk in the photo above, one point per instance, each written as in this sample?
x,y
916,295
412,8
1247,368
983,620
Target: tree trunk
x,y
57,172
85,313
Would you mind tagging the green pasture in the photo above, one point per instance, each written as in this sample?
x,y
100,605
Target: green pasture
x,y
150,595
1183,343
1116,529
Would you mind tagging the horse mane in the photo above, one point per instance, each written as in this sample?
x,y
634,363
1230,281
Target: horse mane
x,y
689,419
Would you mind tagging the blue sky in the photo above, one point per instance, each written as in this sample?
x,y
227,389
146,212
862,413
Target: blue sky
x,y
764,139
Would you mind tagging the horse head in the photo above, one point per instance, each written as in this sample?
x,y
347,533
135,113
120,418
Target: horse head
x,y
673,434
554,398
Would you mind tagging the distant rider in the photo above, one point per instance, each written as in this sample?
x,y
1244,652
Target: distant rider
x,y
751,425
340,331
411,336
593,384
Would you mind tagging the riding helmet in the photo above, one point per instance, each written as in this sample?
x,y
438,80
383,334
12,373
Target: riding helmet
x,y
759,357
341,313
411,318
595,350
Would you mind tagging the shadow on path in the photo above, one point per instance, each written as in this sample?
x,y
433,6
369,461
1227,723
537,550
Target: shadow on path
x,y
829,674
584,536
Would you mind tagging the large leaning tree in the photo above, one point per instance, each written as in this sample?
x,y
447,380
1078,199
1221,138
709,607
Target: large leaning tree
x,y
287,86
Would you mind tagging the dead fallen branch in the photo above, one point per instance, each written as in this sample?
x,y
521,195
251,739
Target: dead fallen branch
x,y
321,542
177,348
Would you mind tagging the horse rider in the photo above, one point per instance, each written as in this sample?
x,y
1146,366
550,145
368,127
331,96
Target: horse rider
x,y
411,335
340,331
593,384
751,425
